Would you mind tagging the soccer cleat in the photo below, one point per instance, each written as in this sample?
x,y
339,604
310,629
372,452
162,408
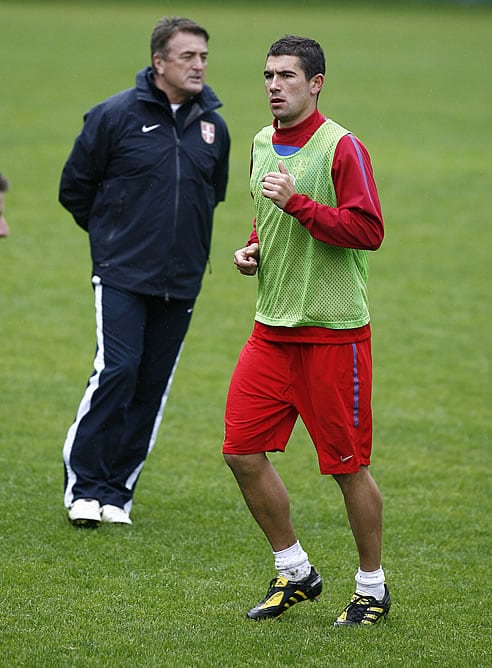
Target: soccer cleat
x,y
85,513
364,610
114,515
283,594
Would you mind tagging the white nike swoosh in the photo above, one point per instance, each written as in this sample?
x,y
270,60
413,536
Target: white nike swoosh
x,y
149,128
345,459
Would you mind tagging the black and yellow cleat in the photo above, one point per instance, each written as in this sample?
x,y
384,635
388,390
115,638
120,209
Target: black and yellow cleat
x,y
364,610
283,594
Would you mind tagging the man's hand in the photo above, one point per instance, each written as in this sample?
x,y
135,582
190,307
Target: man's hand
x,y
246,259
278,186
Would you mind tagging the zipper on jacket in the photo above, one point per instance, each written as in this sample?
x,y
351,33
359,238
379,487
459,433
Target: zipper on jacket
x,y
118,217
178,183
176,201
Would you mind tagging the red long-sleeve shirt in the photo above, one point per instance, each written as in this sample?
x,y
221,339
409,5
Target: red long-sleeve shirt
x,y
356,221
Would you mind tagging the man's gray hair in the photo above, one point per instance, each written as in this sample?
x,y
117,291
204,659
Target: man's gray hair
x,y
167,27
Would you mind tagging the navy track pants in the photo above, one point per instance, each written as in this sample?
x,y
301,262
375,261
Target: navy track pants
x,y
139,341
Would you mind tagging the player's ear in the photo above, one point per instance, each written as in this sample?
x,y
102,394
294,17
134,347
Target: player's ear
x,y
317,83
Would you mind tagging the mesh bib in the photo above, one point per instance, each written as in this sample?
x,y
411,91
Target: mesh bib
x,y
302,281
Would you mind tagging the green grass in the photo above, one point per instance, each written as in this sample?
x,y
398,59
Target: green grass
x,y
172,590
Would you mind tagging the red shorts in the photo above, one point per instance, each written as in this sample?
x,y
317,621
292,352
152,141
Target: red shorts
x,y
329,386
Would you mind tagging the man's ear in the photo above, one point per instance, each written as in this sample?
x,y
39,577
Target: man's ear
x,y
158,63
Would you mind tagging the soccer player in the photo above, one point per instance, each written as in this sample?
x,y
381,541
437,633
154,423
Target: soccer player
x,y
317,216
4,228
143,179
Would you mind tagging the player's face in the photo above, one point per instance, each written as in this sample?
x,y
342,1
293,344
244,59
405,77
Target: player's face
x,y
292,98
182,74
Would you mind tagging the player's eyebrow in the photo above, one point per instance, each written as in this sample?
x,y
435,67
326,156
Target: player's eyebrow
x,y
273,70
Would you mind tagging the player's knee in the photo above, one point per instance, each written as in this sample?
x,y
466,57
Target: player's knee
x,y
232,461
245,465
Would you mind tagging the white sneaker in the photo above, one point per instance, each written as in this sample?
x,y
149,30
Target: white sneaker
x,y
85,513
114,515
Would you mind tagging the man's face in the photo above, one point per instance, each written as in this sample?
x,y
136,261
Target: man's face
x,y
182,74
292,98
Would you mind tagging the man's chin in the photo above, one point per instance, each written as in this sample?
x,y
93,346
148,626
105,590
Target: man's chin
x,y
195,88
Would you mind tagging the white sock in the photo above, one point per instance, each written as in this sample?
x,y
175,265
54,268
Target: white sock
x,y
370,583
292,563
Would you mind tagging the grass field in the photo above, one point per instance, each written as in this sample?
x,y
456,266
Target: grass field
x,y
172,590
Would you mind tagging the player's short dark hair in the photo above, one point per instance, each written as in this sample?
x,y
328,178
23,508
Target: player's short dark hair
x,y
4,184
167,27
308,51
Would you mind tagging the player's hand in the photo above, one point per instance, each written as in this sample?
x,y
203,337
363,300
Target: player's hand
x,y
246,259
279,186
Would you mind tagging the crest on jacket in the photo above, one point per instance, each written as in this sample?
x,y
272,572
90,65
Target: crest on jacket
x,y
208,131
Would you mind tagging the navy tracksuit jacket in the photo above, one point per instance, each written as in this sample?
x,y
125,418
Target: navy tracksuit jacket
x,y
144,182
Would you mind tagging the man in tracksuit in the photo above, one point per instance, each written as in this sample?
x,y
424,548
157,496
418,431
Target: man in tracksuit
x,y
143,178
